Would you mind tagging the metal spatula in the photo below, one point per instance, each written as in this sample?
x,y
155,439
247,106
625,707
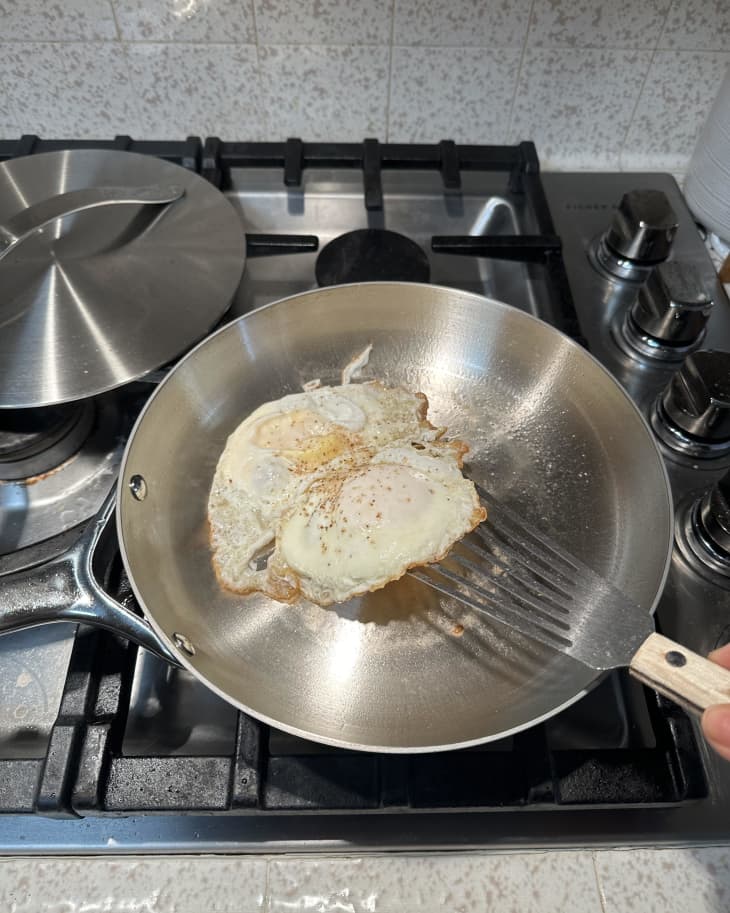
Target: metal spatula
x,y
522,579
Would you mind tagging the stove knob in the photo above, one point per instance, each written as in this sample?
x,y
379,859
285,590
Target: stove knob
x,y
643,228
672,309
714,515
697,400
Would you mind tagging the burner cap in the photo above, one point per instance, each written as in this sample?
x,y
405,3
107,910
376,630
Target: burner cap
x,y
371,254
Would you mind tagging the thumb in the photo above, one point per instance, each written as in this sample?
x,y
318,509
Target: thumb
x,y
716,720
721,656
716,728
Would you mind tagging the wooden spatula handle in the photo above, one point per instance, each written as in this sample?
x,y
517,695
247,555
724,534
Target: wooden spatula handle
x,y
692,681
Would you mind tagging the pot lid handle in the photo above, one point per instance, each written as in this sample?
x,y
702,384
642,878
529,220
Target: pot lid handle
x,y
35,217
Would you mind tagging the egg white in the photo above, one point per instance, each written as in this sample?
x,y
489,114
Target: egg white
x,y
353,532
273,457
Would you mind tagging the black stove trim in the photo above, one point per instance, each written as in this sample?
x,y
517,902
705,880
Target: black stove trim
x,y
84,772
213,157
372,156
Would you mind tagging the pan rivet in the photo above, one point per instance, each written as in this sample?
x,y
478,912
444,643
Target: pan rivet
x,y
182,643
675,658
138,487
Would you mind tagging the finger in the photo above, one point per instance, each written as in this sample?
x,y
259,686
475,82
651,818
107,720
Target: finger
x,y
721,656
716,728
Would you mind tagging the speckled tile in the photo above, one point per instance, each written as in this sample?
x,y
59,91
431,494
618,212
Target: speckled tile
x,y
665,881
324,21
431,100
70,90
98,97
186,20
458,883
491,23
677,96
597,24
324,92
197,89
8,119
577,104
31,72
70,20
697,25
9,128
213,884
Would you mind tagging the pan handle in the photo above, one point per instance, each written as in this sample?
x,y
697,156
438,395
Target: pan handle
x,y
65,589
35,217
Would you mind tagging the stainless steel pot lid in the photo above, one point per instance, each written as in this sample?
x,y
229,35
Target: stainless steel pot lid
x,y
144,262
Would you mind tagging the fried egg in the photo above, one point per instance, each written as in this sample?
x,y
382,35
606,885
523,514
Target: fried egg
x,y
343,489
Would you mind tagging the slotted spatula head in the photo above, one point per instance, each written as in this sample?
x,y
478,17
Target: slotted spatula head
x,y
522,578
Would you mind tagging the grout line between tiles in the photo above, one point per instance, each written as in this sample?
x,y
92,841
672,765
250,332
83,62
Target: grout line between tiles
x,y
519,73
264,108
622,147
550,46
663,29
185,41
136,95
116,21
254,20
345,44
599,883
390,70
266,906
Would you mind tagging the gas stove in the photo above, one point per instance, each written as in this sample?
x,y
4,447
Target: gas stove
x,y
106,748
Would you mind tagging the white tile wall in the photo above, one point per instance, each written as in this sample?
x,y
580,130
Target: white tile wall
x,y
597,24
667,881
577,104
595,84
697,25
550,883
179,84
71,20
489,24
323,91
186,20
324,22
212,884
426,86
677,81
623,881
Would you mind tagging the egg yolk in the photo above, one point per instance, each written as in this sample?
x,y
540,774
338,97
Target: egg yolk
x,y
290,430
383,495
304,438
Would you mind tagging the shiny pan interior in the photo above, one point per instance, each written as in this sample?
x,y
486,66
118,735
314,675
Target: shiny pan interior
x,y
552,435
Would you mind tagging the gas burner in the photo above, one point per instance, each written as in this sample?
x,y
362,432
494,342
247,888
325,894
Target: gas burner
x,y
371,254
36,441
639,237
57,464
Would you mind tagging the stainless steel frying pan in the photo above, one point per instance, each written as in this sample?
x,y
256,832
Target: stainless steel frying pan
x,y
402,669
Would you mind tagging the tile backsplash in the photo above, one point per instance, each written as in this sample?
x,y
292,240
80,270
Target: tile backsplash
x,y
600,84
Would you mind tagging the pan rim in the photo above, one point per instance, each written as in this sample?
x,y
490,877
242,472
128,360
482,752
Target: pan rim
x,y
345,743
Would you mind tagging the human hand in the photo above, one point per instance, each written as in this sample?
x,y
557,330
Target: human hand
x,y
716,720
